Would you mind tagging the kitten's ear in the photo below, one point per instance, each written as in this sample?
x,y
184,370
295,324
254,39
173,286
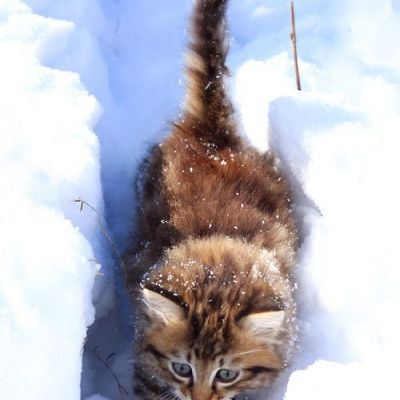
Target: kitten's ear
x,y
161,308
268,324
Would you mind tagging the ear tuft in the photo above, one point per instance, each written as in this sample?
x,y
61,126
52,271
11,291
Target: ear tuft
x,y
161,308
268,324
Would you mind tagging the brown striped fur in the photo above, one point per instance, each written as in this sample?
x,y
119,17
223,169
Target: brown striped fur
x,y
211,272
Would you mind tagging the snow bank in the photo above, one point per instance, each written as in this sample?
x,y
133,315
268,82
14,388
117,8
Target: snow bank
x,y
333,381
347,166
338,140
49,249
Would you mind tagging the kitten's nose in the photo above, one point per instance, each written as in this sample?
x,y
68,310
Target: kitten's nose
x,y
200,393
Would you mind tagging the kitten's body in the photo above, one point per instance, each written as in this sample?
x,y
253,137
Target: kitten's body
x,y
211,272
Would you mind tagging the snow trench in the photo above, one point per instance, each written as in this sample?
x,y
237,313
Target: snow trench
x,y
89,85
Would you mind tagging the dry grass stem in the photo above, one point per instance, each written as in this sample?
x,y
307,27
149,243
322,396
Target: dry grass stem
x,y
122,391
294,45
103,230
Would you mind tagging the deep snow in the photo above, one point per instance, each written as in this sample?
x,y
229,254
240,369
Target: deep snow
x,y
77,74
50,252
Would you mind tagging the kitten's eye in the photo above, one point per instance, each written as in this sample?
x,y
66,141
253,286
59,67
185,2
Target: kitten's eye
x,y
181,369
226,375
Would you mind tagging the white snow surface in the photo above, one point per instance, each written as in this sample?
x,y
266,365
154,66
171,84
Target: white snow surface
x,y
86,83
49,156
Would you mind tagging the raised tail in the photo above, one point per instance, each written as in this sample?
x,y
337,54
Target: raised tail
x,y
209,112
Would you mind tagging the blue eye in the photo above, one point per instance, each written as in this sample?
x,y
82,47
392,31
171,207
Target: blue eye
x,y
226,375
181,369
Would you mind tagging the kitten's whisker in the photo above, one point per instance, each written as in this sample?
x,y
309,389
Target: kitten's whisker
x,y
162,395
173,396
168,395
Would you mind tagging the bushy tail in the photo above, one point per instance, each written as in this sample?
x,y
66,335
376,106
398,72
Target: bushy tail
x,y
208,108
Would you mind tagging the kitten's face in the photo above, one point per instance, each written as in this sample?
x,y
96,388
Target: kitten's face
x,y
211,361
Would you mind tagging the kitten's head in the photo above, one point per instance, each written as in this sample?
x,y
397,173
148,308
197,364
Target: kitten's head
x,y
222,335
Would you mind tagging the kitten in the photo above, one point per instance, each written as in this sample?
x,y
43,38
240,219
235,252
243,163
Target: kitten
x,y
211,272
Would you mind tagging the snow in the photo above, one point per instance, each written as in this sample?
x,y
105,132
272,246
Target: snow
x,y
351,382
49,250
347,167
96,397
88,85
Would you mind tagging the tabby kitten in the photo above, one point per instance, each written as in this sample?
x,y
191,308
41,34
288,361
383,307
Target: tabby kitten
x,y
211,272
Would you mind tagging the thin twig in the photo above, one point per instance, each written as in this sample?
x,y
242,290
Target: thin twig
x,y
103,231
294,46
122,391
